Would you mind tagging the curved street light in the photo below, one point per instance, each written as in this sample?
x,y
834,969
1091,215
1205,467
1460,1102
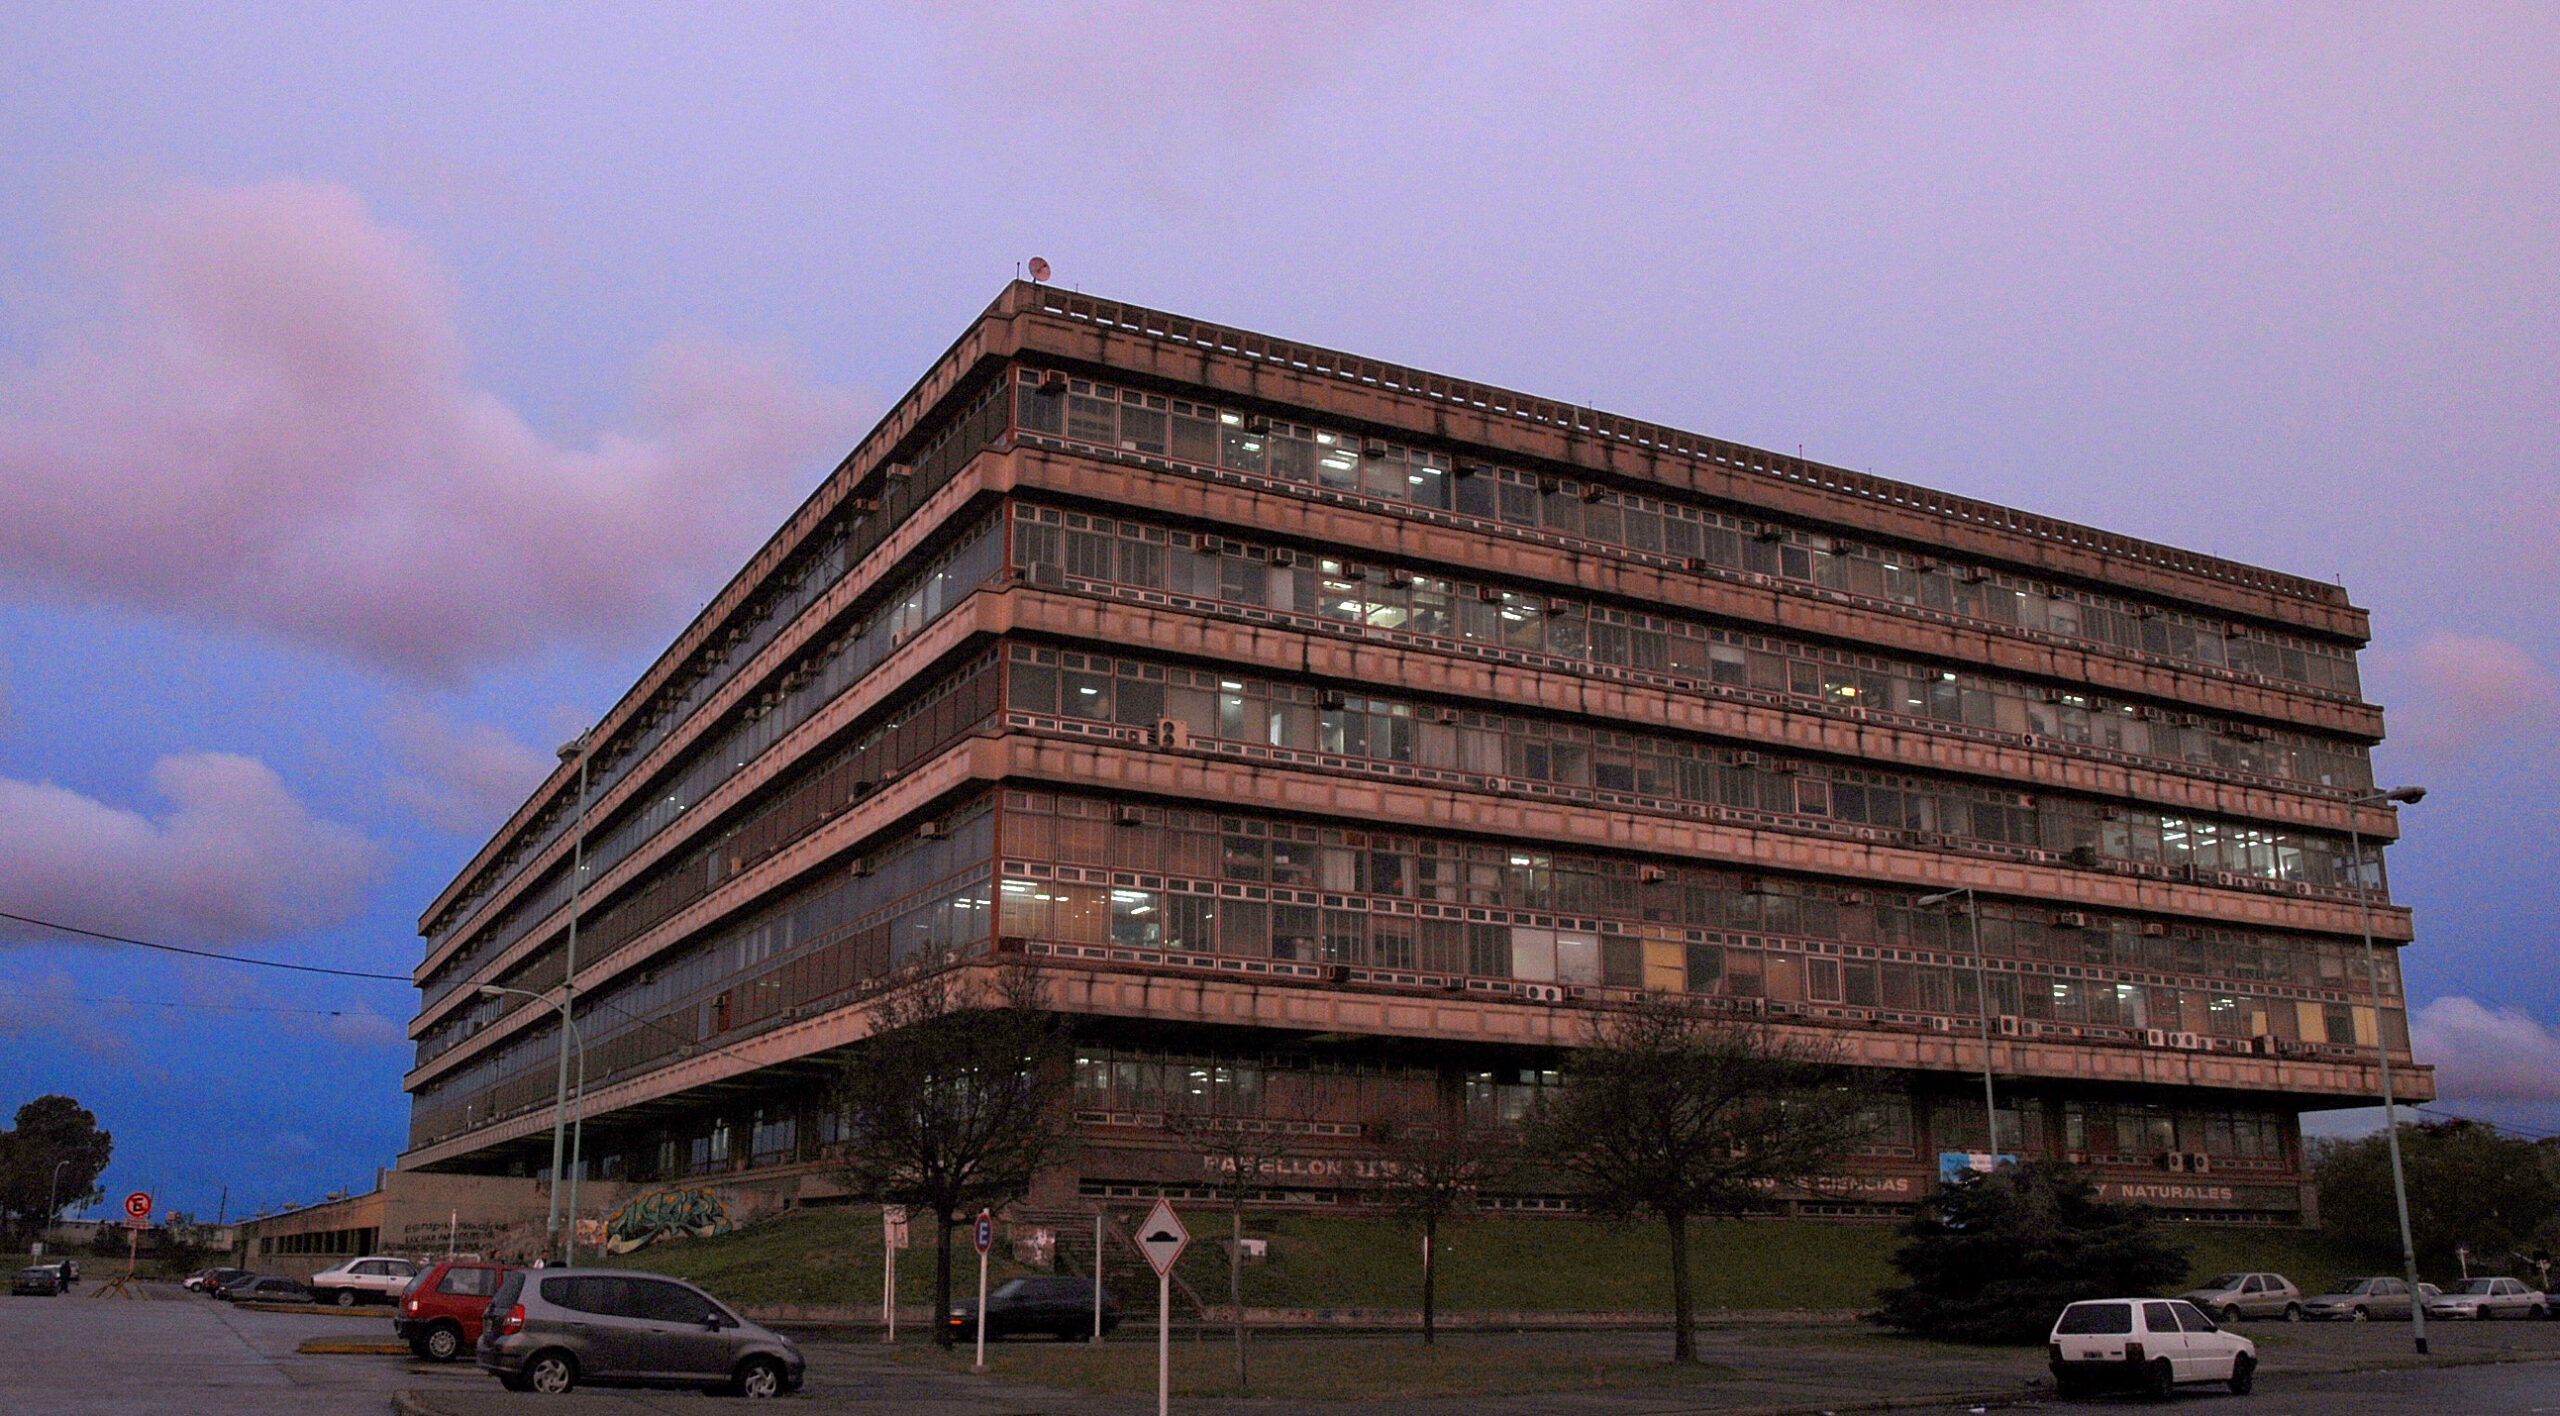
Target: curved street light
x,y
2398,796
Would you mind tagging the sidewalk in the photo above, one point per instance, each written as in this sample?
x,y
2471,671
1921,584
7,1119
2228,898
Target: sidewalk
x,y
1766,1372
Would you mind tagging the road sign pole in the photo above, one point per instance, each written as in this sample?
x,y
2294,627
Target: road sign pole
x,y
982,1310
888,1291
1162,1239
1164,1342
1097,1275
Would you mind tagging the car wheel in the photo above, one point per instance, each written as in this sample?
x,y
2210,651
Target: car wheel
x,y
2244,1374
550,1373
758,1378
344,1297
2359,1316
442,1343
2160,1380
2070,1385
2535,1315
2228,1315
2293,1312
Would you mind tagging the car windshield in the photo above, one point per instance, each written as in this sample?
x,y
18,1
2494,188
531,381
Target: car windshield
x,y
2361,1285
2477,1285
2087,1318
1014,1288
2223,1280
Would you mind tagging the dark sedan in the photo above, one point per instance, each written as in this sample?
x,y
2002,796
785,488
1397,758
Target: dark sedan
x,y
1060,1307
38,1281
265,1288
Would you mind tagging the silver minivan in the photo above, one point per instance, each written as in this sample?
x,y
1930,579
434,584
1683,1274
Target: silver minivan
x,y
549,1329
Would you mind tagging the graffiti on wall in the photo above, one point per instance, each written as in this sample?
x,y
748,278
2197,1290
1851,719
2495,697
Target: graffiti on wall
x,y
666,1214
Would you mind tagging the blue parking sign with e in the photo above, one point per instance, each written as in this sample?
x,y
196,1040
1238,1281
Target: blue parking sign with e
x,y
983,1233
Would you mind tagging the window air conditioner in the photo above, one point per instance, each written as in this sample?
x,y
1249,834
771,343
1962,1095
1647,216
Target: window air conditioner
x,y
930,831
1651,874
2155,1037
2186,1040
2009,1024
2071,919
1173,733
2198,1163
2173,1160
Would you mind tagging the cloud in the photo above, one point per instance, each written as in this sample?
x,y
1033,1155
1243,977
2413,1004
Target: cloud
x,y
2484,1055
2474,691
273,425
236,856
463,779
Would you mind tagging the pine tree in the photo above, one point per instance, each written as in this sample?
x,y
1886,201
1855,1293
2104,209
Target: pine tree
x,y
1993,1258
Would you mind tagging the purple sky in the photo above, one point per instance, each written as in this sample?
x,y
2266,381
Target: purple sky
x,y
378,392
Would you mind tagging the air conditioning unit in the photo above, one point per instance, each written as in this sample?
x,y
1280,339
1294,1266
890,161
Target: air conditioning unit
x,y
2173,1160
1128,816
1746,759
1853,897
1256,423
1538,992
1372,448
2085,857
1173,733
930,831
2010,1024
2071,919
1769,534
2155,1037
1943,1024
1329,699
898,471
1651,874
1591,493
1444,715
1549,486
1696,565
2188,1041
1209,546
1053,383
2269,1045
2198,1163
901,635
1490,594
2154,929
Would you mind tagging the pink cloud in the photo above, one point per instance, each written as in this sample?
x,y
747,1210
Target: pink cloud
x,y
236,856
275,426
2472,692
462,778
2485,1055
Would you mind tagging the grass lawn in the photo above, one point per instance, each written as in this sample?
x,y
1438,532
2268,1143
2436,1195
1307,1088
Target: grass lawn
x,y
832,1256
1324,1368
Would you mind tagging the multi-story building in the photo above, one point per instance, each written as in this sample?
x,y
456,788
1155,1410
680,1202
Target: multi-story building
x,y
1340,736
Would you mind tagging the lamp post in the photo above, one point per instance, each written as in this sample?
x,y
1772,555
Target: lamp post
x,y
1982,996
560,1109
2404,796
50,1190
576,747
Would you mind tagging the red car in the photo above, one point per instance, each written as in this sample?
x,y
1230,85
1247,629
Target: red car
x,y
439,1312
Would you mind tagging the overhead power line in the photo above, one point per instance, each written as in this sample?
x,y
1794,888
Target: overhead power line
x,y
202,953
200,1007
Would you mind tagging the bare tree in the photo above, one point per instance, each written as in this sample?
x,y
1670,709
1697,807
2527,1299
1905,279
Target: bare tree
x,y
1436,1169
949,1105
1675,1111
1237,1143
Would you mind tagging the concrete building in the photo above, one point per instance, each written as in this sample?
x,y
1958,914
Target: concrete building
x,y
1340,734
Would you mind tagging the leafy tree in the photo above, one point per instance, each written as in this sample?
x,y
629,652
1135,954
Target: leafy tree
x,y
1437,1169
949,1104
1992,1258
55,1150
2468,1185
1676,1112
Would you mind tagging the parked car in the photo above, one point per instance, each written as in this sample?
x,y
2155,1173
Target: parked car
x,y
373,1279
2232,1296
548,1330
2151,1345
2360,1300
439,1312
38,1281
265,1288
2485,1298
1060,1307
221,1284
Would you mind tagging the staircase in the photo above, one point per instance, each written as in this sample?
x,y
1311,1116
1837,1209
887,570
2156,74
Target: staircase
x,y
1125,1274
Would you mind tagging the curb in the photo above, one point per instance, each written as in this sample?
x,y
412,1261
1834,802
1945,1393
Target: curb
x,y
351,1347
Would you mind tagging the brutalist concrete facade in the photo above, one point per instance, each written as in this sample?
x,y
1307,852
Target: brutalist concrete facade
x,y
1338,736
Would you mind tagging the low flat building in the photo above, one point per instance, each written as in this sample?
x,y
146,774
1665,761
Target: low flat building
x,y
1339,736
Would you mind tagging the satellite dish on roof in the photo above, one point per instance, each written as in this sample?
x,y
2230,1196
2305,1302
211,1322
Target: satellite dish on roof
x,y
1039,269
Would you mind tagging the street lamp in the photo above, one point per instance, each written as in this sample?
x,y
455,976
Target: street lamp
x,y
576,747
2404,796
1982,996
559,1112
50,1183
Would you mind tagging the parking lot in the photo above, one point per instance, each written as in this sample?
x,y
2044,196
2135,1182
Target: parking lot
x,y
173,1351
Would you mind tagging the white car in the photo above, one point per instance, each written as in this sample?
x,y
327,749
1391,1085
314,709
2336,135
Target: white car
x,y
2484,1298
2151,1345
373,1279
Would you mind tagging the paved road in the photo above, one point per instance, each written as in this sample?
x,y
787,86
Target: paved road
x,y
175,1352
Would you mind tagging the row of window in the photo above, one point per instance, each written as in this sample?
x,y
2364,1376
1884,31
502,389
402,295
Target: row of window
x,y
1053,546
1294,866
1154,425
1298,718
975,555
